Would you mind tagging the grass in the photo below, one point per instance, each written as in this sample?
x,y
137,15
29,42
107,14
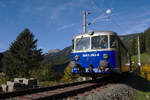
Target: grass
x,y
145,59
48,83
144,92
143,95
145,73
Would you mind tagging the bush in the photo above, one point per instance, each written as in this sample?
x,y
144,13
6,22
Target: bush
x,y
67,74
145,71
46,73
3,80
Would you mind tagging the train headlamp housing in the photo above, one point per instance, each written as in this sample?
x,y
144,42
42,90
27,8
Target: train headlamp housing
x,y
104,63
77,57
73,64
105,56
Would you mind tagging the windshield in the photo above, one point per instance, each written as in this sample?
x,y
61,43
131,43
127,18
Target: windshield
x,y
113,42
100,42
83,43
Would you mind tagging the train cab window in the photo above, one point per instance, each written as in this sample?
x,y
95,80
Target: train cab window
x,y
100,42
82,43
72,44
113,42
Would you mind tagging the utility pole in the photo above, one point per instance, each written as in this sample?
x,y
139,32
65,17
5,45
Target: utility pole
x,y
139,61
84,21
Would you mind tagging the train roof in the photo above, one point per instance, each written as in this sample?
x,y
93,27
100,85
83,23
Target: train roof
x,y
96,33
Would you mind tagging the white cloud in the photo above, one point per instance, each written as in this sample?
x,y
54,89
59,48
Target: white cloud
x,y
145,13
139,22
102,17
139,26
65,26
67,7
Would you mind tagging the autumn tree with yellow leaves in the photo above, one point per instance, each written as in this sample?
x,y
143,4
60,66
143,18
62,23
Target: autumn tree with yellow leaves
x,y
67,74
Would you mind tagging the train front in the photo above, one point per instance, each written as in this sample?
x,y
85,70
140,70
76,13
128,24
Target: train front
x,y
93,53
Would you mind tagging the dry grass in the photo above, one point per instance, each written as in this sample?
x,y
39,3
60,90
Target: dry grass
x,y
145,71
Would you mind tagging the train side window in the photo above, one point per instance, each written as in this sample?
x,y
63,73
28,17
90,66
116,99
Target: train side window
x,y
113,42
100,42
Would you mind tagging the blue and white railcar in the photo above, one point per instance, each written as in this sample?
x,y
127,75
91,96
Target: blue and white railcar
x,y
99,52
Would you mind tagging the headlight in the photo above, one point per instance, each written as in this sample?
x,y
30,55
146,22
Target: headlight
x,y
105,56
104,63
73,64
77,57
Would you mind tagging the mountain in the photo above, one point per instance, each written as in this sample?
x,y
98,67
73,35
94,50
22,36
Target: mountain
x,y
52,52
128,42
60,59
126,39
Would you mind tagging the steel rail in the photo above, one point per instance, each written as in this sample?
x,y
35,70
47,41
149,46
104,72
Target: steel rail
x,y
5,95
58,92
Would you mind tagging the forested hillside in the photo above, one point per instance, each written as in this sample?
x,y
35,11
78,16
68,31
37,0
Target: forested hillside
x,y
1,55
129,40
60,59
144,43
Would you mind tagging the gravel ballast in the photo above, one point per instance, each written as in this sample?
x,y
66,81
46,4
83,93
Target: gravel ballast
x,y
110,92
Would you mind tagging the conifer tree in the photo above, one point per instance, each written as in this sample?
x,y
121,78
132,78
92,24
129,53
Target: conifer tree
x,y
22,56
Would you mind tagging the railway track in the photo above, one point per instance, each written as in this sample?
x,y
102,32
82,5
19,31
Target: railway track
x,y
57,92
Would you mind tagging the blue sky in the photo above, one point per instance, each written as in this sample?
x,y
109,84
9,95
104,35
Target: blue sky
x,y
55,22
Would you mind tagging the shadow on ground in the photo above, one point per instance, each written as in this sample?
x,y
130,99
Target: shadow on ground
x,y
137,82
